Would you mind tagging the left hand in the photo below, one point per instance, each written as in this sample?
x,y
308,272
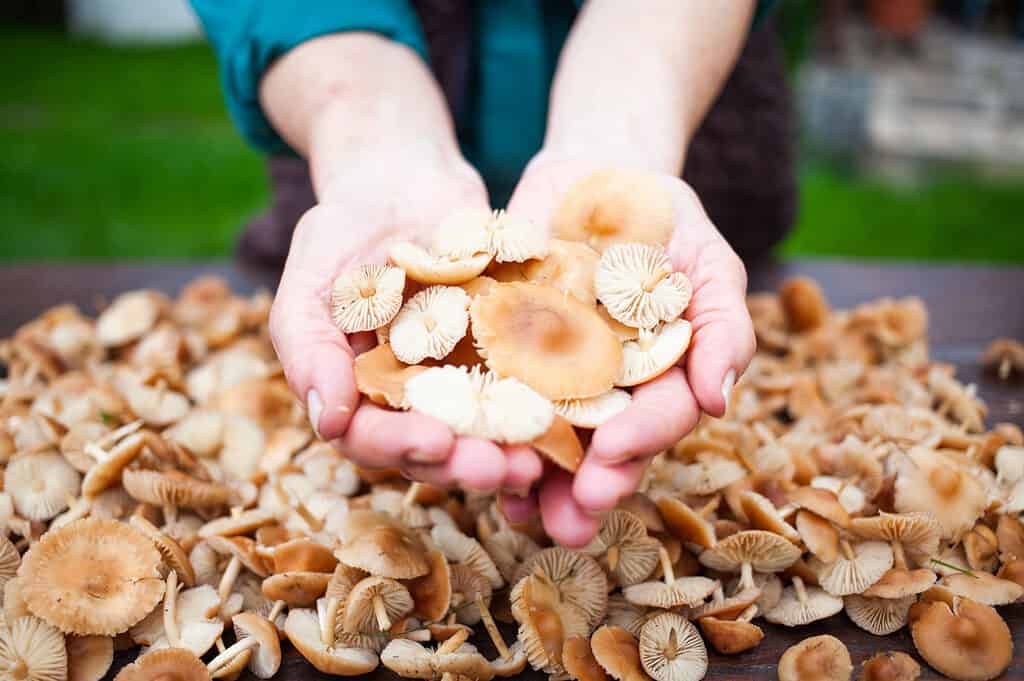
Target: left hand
x,y
667,408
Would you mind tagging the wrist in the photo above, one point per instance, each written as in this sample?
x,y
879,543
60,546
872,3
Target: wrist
x,y
616,147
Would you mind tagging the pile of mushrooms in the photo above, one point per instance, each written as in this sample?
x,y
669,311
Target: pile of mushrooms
x,y
163,492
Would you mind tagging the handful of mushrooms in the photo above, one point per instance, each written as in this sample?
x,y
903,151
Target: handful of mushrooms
x,y
162,488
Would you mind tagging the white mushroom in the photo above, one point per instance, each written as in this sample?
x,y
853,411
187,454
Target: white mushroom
x,y
367,297
591,412
430,324
426,268
507,237
654,352
637,286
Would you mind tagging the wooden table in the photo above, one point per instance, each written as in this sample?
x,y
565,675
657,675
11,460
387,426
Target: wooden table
x,y
969,306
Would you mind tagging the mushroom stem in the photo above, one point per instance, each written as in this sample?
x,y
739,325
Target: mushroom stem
x,y
1005,366
327,621
847,550
171,610
220,645
748,614
666,566
710,507
798,587
451,618
655,279
118,434
410,495
899,558
492,628
452,643
746,577
225,658
613,557
381,613
276,610
227,581
170,514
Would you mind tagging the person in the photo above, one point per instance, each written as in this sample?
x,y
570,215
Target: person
x,y
406,111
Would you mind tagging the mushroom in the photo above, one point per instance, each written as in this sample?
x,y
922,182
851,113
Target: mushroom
x,y
430,324
303,629
243,554
889,666
762,515
32,650
857,567
467,586
461,549
367,297
592,412
578,579
804,304
375,543
242,523
731,637
40,484
637,286
301,555
654,352
10,559
818,658
801,605
89,657
423,267
984,588
382,378
750,550
560,444
981,547
613,206
169,664
818,535
171,552
546,619
623,548
821,502
508,549
671,649
412,660
253,632
172,489
92,576
1005,356
579,662
966,640
672,592
551,342
296,589
729,608
878,616
187,620
129,317
686,524
505,236
618,653
431,593
374,604
935,484
569,267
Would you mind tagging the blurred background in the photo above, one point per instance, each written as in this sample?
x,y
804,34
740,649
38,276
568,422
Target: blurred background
x,y
114,140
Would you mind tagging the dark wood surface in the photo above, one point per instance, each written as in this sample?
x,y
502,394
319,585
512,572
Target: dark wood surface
x,y
968,305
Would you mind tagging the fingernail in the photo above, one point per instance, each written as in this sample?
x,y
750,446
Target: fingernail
x,y
727,385
314,407
521,492
596,515
417,456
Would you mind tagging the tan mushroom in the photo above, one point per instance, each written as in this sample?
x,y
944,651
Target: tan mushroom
x,y
89,657
459,548
569,267
411,660
802,605
430,324
623,548
1005,356
171,552
244,554
762,515
731,637
546,619
253,633
551,342
638,287
685,523
188,620
173,489
671,592
375,604
375,543
579,661
592,412
508,549
303,629
382,378
40,484
818,535
966,640
613,206
367,297
618,653
889,666
129,317
32,650
730,608
173,664
821,502
878,616
297,589
804,304
92,576
654,352
671,649
818,658
750,550
933,483
857,567
560,444
984,588
423,267
579,579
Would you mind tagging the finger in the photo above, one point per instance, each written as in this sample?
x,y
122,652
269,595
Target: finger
x,y
524,468
474,464
565,521
662,411
518,509
380,438
599,487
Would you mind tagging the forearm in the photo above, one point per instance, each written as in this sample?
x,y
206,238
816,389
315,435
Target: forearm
x,y
633,84
354,102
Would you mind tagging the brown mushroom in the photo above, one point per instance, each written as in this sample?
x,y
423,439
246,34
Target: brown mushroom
x,y
878,616
623,548
253,633
966,641
731,637
804,304
818,658
561,445
935,484
618,653
579,662
671,649
671,592
750,550
303,629
375,543
857,567
984,588
1005,356
889,666
175,664
381,377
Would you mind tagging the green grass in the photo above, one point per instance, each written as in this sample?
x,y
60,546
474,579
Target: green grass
x,y
128,153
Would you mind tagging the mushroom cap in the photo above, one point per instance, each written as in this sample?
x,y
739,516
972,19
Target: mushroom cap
x,y
425,268
792,611
463,233
685,524
511,411
730,637
382,377
654,352
246,522
386,550
508,548
671,649
618,653
89,657
166,664
730,607
638,287
683,591
878,616
267,659
580,580
818,658
466,585
10,559
197,616
591,412
129,317
854,574
762,515
173,488
431,593
616,205
359,607
560,444
623,548
890,666
569,267
804,304
34,646
917,532
367,297
92,576
459,548
764,551
968,641
984,588
303,630
40,484
552,342
901,582
818,535
514,665
244,549
171,552
302,554
448,394
821,502
430,324
933,483
579,662
105,473
507,237
297,589
622,613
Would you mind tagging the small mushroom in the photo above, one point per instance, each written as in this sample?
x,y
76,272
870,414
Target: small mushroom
x,y
188,620
592,412
171,552
762,515
175,664
297,589
878,616
818,658
623,548
375,543
253,633
508,549
654,352
412,660
578,579
546,619
375,604
89,657
367,297
984,588
638,287
560,444
731,607
686,524
32,650
618,653
423,267
857,567
1005,356
569,267
461,549
173,489
430,324
932,483
818,535
40,484
579,661
382,378
243,554
804,304
890,666
671,592
967,641
750,550
129,317
671,649
801,605
431,593
303,629
821,502
731,637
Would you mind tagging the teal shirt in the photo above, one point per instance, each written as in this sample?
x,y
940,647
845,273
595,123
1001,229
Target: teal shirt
x,y
515,50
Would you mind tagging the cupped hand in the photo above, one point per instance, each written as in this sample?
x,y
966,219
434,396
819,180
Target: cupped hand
x,y
359,217
667,408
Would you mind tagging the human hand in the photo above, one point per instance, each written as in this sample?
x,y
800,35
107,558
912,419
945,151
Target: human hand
x,y
667,408
360,216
